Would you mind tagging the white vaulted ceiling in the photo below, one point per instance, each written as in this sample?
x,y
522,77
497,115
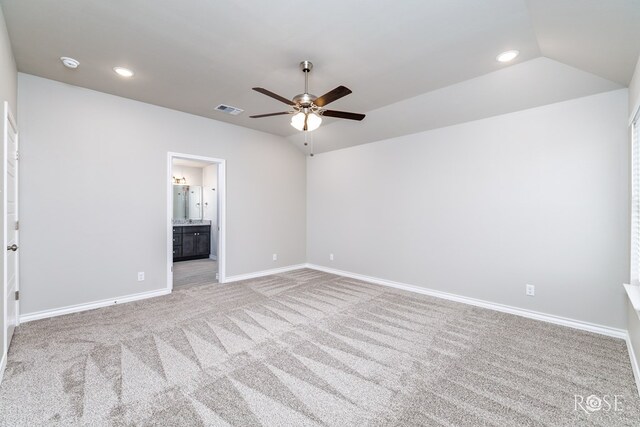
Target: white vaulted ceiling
x,y
402,58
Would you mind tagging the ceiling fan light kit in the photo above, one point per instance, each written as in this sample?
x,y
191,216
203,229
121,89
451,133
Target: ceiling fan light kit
x,y
308,109
309,120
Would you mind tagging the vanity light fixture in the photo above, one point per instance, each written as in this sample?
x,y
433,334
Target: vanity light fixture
x,y
177,180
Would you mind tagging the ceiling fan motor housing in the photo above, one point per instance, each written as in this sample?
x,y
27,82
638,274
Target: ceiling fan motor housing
x,y
304,99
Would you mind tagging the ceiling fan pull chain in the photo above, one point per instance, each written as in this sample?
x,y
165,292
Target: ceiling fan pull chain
x,y
311,146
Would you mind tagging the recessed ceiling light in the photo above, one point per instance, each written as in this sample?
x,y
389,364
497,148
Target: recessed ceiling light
x,y
124,72
69,62
507,56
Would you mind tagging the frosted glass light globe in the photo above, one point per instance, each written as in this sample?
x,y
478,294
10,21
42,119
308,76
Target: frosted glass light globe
x,y
313,122
297,121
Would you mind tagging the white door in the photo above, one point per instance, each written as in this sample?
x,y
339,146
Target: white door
x,y
11,225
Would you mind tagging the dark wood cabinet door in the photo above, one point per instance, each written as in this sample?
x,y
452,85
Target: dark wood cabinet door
x,y
202,244
189,244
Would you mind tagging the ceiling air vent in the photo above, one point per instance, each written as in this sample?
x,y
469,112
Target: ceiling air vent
x,y
229,109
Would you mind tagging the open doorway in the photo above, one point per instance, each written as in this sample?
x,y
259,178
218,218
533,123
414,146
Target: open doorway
x,y
195,212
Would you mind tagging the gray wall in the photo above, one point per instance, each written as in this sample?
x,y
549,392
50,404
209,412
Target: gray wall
x,y
191,174
8,73
634,90
633,323
86,231
210,199
8,89
482,208
633,328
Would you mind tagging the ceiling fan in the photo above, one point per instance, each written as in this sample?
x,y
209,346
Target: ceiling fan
x,y
307,108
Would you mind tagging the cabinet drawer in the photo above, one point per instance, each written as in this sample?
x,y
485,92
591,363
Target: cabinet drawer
x,y
177,251
197,229
177,230
177,239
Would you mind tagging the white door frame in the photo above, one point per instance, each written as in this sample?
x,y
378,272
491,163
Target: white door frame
x,y
9,122
222,187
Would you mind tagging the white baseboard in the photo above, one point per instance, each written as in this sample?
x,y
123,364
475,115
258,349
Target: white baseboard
x,y
634,363
91,305
143,295
558,320
3,365
262,273
213,257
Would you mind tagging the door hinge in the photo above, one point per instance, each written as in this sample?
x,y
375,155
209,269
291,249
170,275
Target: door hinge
x,y
17,225
17,295
17,155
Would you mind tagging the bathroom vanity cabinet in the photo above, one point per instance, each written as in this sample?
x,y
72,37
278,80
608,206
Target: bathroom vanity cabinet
x,y
191,242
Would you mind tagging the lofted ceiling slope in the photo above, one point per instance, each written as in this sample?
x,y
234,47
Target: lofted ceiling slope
x,y
530,84
192,56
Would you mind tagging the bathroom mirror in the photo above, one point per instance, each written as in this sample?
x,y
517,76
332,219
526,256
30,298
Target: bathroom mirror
x,y
187,202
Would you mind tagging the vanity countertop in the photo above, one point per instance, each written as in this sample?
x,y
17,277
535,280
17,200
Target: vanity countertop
x,y
192,223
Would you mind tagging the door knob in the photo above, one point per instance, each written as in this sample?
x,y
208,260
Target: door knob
x,y
13,247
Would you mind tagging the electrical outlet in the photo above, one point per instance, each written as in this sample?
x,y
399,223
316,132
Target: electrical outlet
x,y
531,290
140,276
330,257
275,257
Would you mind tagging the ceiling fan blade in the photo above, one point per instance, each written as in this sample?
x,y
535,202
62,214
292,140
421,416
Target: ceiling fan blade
x,y
331,96
259,116
343,115
273,95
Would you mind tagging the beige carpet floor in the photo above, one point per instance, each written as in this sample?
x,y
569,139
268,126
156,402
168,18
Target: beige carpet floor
x,y
309,348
